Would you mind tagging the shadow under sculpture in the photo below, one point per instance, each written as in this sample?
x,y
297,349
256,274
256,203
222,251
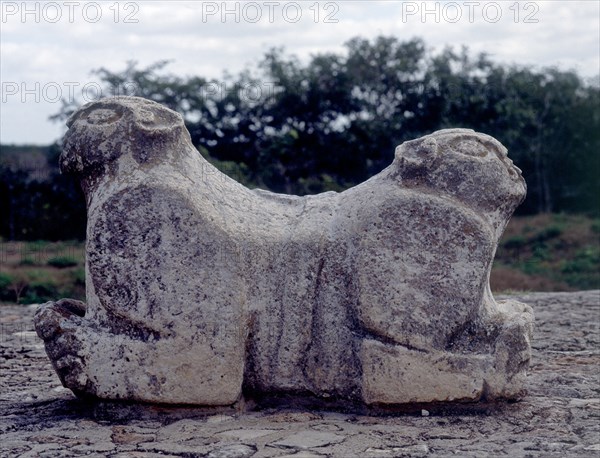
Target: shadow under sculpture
x,y
199,288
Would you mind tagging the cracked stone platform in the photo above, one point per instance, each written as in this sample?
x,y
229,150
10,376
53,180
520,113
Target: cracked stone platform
x,y
560,415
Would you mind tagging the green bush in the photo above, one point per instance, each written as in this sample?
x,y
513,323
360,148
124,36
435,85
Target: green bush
x,y
62,262
41,287
5,293
533,266
584,270
515,242
585,260
15,287
78,276
548,233
27,261
541,253
560,218
38,245
5,280
37,293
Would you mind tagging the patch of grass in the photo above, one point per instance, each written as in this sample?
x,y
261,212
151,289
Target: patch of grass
x,y
78,276
514,242
38,245
527,228
62,262
557,252
507,279
15,289
584,269
27,261
42,287
39,271
5,282
548,233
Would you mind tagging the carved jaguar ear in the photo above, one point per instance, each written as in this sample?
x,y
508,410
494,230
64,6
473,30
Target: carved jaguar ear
x,y
417,156
154,128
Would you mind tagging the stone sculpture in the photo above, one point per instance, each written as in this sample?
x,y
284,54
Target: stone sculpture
x,y
199,288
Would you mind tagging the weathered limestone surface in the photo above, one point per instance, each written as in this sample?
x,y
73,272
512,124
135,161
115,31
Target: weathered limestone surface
x,y
558,417
199,289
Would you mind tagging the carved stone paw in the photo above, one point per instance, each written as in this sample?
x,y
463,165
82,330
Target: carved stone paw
x,y
60,324
512,351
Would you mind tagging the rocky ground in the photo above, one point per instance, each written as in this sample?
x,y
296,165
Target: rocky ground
x,y
560,416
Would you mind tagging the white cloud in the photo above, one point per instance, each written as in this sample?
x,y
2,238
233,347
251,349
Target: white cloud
x,y
566,35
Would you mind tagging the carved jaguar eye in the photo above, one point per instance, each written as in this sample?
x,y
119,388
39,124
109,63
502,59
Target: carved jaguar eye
x,y
146,117
469,147
155,119
103,116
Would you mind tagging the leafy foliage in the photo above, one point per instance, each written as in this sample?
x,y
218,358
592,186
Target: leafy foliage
x,y
36,202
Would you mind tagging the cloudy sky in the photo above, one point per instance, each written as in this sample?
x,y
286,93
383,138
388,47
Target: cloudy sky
x,y
48,49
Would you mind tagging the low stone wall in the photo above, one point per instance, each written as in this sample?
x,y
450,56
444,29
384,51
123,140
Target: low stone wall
x,y
560,416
